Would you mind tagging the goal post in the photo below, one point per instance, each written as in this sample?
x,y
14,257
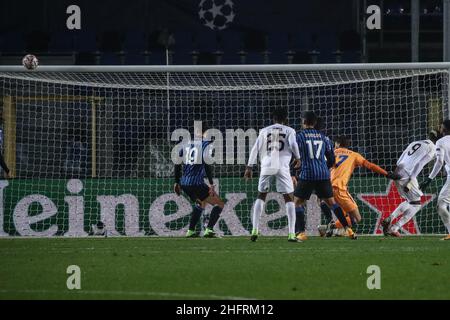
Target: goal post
x,y
89,144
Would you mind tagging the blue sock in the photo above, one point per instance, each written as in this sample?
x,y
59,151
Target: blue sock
x,y
337,210
195,217
300,219
353,221
326,212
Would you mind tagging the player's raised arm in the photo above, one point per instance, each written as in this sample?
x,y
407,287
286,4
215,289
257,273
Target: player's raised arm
x,y
377,169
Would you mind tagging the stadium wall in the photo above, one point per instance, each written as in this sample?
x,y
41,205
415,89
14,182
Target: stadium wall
x,y
141,207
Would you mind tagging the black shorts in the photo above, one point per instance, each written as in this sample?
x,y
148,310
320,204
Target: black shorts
x,y
322,188
196,192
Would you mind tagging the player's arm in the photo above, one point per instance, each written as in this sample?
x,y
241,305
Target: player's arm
x,y
294,168
209,175
178,172
377,169
4,166
374,167
436,168
252,159
293,145
329,153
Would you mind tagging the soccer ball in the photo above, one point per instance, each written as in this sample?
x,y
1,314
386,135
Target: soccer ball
x,y
30,62
216,14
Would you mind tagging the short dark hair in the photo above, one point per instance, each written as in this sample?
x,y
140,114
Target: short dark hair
x,y
343,141
446,125
319,124
280,114
310,118
434,135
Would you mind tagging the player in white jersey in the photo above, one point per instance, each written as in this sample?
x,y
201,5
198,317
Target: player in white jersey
x,y
442,157
409,165
275,145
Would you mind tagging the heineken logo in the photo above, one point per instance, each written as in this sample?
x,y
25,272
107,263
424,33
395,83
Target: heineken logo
x,y
70,213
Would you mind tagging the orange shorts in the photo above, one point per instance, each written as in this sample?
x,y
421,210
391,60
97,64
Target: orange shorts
x,y
344,200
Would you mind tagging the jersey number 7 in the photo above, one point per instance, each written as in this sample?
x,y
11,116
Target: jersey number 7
x,y
341,159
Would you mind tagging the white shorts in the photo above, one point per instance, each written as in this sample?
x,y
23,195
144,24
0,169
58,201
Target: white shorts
x,y
283,179
444,195
414,193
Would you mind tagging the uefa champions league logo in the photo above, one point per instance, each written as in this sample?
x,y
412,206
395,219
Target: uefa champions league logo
x,y
216,14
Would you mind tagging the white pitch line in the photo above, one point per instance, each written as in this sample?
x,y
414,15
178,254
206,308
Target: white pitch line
x,y
131,293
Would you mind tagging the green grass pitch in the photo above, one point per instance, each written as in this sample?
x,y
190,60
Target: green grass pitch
x,y
226,268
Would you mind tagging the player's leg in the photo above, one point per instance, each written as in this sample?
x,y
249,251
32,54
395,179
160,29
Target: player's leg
x,y
258,207
326,211
443,204
401,186
285,186
408,214
300,223
302,192
197,211
413,195
349,207
325,192
218,205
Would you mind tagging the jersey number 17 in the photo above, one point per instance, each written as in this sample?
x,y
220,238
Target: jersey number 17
x,y
317,145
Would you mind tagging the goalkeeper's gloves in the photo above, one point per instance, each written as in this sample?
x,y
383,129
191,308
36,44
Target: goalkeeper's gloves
x,y
393,176
424,184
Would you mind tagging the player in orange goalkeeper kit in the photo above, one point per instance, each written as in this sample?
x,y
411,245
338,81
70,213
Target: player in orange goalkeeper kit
x,y
346,162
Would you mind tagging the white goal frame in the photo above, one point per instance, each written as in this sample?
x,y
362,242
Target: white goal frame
x,y
444,67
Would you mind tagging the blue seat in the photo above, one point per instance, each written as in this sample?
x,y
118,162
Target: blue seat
x,y
85,41
135,41
353,56
327,44
133,58
109,58
231,43
62,42
111,41
157,57
184,45
207,41
278,45
13,42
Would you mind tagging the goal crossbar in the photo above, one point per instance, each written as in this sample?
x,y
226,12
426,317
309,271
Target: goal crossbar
x,y
234,68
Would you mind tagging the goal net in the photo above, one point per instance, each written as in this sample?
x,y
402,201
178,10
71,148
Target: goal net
x,y
88,145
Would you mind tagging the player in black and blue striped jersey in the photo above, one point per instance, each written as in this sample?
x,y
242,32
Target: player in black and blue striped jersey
x,y
317,157
190,178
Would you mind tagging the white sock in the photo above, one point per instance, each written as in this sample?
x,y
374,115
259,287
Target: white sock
x,y
401,208
258,209
407,215
445,214
339,232
290,212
